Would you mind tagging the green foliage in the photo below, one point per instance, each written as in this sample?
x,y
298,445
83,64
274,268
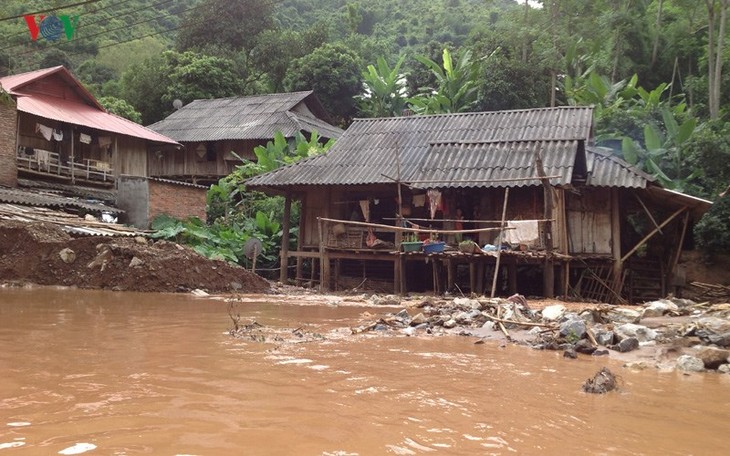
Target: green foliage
x,y
121,108
333,72
385,90
456,89
224,25
152,86
711,233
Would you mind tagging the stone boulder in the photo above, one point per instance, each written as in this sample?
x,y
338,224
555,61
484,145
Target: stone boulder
x,y
659,308
642,333
67,255
573,329
621,315
713,357
689,363
553,313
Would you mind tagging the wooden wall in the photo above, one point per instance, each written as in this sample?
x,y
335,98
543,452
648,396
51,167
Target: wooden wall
x,y
188,162
589,221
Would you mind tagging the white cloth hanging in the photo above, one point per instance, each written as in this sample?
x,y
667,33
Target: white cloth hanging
x,y
86,139
46,132
58,134
434,201
365,208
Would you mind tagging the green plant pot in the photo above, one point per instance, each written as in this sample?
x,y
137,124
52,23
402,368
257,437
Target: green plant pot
x,y
411,246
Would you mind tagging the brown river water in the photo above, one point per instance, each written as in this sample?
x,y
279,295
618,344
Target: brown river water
x,y
93,372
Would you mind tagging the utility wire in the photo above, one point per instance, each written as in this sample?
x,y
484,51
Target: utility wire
x,y
108,31
82,14
48,10
101,20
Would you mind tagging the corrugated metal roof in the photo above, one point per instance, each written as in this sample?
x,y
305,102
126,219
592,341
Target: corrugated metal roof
x,y
368,149
252,117
14,83
607,170
45,199
476,164
84,115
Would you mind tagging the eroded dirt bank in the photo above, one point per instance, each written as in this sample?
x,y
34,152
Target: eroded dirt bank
x,y
44,254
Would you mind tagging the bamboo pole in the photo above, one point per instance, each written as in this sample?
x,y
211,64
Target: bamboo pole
x,y
655,231
646,209
409,230
499,242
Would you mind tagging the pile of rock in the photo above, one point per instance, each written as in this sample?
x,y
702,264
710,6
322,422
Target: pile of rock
x,y
686,335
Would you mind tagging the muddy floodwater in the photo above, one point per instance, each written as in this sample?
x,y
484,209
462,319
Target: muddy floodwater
x,y
90,372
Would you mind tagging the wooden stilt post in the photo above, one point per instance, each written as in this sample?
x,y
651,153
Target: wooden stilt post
x,y
618,263
284,256
549,268
499,242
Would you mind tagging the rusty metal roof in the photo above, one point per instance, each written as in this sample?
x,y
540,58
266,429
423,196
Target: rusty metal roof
x,y
368,149
251,117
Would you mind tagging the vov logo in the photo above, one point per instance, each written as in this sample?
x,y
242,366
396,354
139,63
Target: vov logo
x,y
51,27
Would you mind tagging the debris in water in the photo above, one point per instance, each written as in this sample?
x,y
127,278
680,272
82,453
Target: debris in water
x,y
603,382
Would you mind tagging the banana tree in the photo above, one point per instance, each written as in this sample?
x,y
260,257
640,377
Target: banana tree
x,y
385,90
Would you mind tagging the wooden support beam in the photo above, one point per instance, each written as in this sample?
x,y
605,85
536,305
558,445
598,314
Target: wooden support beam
x,y
646,209
548,269
284,255
618,262
320,230
407,230
678,253
654,231
499,241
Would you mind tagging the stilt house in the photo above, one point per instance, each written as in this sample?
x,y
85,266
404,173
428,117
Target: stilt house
x,y
217,132
550,212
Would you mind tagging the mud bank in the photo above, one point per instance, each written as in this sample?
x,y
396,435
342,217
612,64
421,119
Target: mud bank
x,y
44,254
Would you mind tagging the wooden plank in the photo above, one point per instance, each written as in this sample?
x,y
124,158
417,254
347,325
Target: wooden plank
x,y
284,260
653,232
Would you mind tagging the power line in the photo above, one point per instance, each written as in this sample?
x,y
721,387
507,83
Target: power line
x,y
101,20
48,10
107,31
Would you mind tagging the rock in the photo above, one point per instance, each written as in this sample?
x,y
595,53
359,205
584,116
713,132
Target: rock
x,y
570,353
554,312
603,382
573,329
621,315
603,336
709,337
418,319
409,331
636,365
712,358
468,303
450,323
724,369
140,240
199,293
67,255
658,308
689,363
535,331
600,353
585,347
626,345
490,325
387,300
136,262
642,333
403,315
462,318
380,327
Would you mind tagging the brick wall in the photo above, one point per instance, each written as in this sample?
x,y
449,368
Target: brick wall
x,y
176,200
8,130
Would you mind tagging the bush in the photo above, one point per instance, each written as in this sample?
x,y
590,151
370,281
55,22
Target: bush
x,y
711,233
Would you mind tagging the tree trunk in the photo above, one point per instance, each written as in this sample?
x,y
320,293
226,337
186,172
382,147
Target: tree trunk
x,y
526,43
717,80
655,51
